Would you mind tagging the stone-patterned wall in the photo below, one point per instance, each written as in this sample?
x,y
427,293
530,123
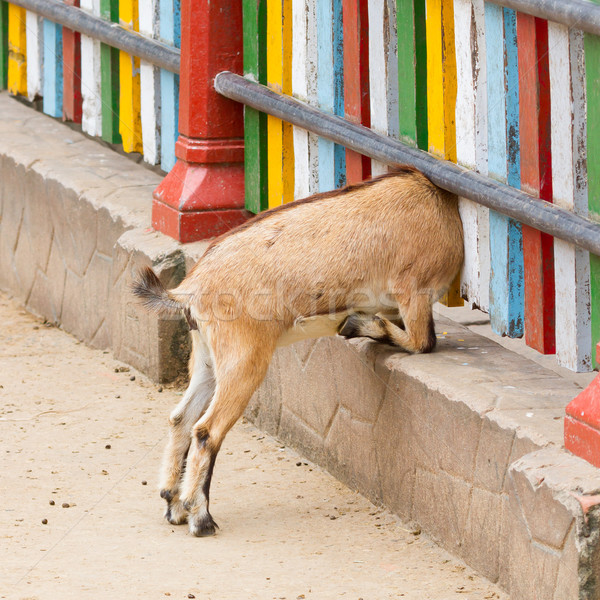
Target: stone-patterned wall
x,y
412,434
65,202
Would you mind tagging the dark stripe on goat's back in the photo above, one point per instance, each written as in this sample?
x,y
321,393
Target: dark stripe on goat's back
x,y
396,171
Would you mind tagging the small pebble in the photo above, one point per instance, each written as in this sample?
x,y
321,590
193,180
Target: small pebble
x,y
144,482
65,505
298,464
51,503
44,521
160,389
132,378
107,446
191,596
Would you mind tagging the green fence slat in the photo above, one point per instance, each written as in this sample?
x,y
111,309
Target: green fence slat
x,y
255,122
3,44
412,71
109,69
592,65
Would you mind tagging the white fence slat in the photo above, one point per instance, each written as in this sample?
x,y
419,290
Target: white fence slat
x,y
569,184
471,142
383,72
150,85
91,119
35,54
311,73
300,91
325,90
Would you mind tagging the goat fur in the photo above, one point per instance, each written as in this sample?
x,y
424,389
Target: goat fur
x,y
338,262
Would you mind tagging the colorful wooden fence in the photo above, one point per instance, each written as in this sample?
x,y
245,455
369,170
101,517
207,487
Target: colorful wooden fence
x,y
497,91
112,94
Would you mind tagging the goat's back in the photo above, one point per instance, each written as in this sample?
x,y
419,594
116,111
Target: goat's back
x,y
396,231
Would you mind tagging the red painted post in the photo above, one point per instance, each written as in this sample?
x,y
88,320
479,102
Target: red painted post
x,y
203,195
536,178
582,422
72,100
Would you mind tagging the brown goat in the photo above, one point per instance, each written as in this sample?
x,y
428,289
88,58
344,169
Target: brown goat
x,y
332,263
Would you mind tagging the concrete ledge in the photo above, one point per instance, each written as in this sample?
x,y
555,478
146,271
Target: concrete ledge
x,y
467,441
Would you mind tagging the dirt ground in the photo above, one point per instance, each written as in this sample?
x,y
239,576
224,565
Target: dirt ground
x,y
80,515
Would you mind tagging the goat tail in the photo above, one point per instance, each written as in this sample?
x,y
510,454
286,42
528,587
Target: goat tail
x,y
153,294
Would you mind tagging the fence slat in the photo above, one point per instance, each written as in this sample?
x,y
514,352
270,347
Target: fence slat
x,y
325,89
592,66
3,44
255,122
91,91
356,41
506,254
288,129
441,90
569,187
383,63
471,143
300,90
52,91
109,65
339,152
130,122
280,145
150,86
275,82
72,100
312,60
170,27
412,72
17,51
35,54
536,178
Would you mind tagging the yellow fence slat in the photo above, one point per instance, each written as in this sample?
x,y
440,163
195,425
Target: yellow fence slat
x,y
441,96
130,125
288,129
275,82
17,51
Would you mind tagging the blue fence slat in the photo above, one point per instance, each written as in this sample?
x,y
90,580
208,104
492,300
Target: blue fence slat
x,y
338,89
52,87
170,33
506,255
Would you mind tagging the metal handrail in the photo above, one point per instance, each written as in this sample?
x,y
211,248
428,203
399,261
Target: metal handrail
x,y
579,14
502,198
152,51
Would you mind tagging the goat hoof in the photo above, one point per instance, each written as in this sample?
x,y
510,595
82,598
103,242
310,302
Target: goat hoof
x,y
167,495
350,327
176,513
202,525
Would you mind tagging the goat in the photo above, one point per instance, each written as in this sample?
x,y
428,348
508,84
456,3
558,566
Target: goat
x,y
332,263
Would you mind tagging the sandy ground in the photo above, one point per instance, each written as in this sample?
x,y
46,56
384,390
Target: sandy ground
x,y
80,515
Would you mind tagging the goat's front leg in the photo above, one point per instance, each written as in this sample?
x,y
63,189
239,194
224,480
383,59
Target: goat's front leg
x,y
237,380
416,335
181,421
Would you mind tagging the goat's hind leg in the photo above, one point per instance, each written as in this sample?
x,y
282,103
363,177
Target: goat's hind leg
x,y
238,376
181,421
